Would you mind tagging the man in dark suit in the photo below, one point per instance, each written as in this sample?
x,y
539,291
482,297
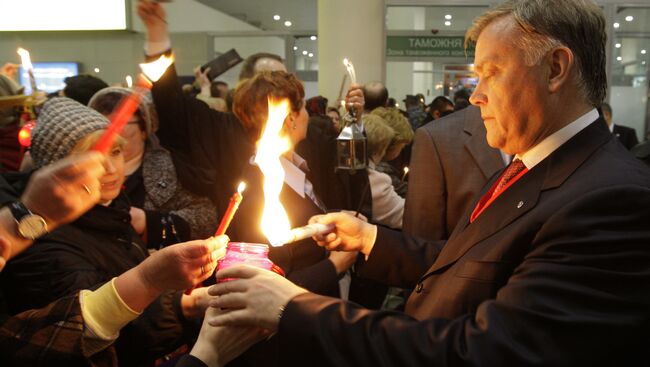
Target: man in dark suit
x,y
549,266
450,163
626,135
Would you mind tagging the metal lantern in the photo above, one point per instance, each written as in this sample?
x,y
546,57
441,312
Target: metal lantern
x,y
351,149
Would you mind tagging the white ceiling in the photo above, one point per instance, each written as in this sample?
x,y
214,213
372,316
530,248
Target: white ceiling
x,y
301,13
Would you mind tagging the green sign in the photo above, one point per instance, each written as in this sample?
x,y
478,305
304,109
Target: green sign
x,y
433,46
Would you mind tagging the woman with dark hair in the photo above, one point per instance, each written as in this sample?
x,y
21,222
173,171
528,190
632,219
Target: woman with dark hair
x,y
162,211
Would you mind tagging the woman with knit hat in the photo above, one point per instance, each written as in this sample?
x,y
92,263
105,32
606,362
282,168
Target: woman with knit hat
x,y
98,246
162,211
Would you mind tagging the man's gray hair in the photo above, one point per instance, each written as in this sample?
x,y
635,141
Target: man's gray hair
x,y
578,25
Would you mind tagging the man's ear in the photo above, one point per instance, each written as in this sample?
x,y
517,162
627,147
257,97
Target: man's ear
x,y
561,64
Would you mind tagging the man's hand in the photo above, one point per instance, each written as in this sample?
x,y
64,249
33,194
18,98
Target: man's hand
x,y
65,190
155,20
355,99
350,234
256,298
219,345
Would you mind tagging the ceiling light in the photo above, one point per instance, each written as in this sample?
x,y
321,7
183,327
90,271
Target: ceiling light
x,y
616,25
618,45
619,58
629,18
311,54
448,16
276,17
642,62
643,52
287,23
304,52
447,23
313,38
295,48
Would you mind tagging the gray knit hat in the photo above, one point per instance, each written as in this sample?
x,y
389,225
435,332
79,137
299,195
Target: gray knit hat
x,y
147,108
61,124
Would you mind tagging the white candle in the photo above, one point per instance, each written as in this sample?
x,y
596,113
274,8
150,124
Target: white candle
x,y
310,230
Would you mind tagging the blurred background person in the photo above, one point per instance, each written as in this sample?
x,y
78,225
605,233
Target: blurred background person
x,y
440,106
626,135
82,87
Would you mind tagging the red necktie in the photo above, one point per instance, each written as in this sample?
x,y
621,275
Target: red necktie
x,y
515,167
513,170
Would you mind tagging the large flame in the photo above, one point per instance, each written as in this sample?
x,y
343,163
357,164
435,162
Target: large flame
x,y
155,69
275,222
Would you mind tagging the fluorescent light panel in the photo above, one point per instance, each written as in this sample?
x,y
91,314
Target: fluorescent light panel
x,y
63,15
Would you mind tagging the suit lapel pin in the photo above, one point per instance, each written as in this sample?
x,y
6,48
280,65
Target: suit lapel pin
x,y
520,204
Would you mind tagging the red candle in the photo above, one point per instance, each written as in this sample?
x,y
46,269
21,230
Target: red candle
x,y
122,115
232,208
227,217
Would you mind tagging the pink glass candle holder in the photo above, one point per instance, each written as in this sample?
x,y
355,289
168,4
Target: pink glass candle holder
x,y
253,254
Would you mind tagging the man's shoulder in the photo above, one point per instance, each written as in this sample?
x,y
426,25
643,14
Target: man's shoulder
x,y
622,128
467,119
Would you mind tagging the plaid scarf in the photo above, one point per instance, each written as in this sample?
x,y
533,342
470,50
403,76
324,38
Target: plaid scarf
x,y
52,336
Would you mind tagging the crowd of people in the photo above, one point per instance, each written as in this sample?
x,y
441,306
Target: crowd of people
x,y
506,226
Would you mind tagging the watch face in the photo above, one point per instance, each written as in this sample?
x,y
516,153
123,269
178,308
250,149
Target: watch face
x,y
32,226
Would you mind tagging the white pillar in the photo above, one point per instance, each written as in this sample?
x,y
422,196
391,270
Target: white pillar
x,y
353,29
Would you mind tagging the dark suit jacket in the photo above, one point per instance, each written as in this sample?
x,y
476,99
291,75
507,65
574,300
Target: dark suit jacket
x,y
555,272
626,135
450,163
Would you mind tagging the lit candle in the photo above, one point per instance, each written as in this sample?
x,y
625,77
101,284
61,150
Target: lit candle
x,y
350,69
129,104
129,81
406,172
27,65
232,208
300,233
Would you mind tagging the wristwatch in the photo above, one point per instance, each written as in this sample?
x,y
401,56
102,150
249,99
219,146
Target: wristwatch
x,y
30,225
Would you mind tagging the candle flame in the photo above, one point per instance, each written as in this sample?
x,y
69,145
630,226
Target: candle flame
x,y
241,187
406,170
155,69
25,59
350,69
129,81
275,222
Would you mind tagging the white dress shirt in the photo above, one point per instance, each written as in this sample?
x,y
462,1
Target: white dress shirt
x,y
547,146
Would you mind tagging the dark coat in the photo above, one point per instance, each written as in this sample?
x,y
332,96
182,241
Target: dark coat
x,y
211,153
173,213
85,254
554,272
626,135
450,163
